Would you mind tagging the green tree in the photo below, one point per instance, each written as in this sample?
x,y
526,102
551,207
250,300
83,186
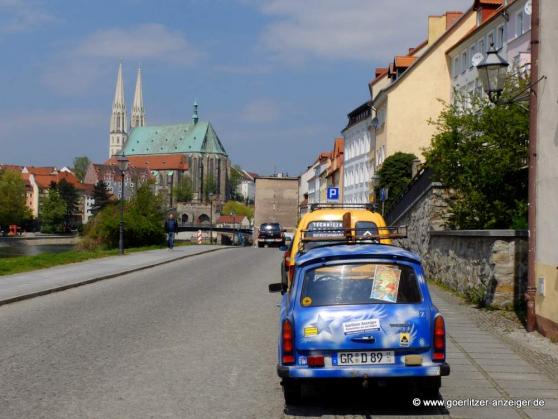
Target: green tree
x,y
101,196
13,209
52,212
209,187
81,164
237,208
395,175
70,196
184,191
143,221
480,151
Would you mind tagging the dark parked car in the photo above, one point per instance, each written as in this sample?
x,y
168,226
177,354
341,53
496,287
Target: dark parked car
x,y
271,234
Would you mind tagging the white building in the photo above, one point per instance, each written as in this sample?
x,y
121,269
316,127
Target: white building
x,y
358,167
247,186
508,27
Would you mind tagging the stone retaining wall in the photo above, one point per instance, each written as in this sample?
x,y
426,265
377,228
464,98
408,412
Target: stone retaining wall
x,y
490,266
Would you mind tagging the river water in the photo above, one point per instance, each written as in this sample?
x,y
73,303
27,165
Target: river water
x,y
17,248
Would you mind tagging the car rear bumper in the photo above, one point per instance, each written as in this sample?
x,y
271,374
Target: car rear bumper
x,y
435,370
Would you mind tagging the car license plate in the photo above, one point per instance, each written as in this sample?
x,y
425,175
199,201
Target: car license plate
x,y
365,358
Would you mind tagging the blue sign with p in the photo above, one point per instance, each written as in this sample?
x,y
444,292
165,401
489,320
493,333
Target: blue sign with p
x,y
332,194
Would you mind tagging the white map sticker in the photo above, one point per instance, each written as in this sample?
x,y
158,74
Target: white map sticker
x,y
360,326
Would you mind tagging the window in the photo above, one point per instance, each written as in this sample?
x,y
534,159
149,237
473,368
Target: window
x,y
472,52
455,66
360,283
490,40
499,37
464,61
519,26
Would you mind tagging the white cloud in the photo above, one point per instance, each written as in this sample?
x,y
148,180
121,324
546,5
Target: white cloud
x,y
81,65
147,41
20,15
260,111
348,29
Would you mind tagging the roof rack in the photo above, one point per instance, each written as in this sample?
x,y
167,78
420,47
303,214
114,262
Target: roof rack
x,y
368,206
352,235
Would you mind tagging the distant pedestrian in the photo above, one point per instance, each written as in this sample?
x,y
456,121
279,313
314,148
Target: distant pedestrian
x,y
171,228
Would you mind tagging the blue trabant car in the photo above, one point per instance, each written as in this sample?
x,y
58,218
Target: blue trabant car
x,y
360,311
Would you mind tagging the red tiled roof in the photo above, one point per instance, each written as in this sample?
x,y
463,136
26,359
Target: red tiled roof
x,y
11,167
230,219
45,170
44,181
155,162
404,61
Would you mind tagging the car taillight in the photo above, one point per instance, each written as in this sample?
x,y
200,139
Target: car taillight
x,y
287,258
291,273
439,352
287,338
316,361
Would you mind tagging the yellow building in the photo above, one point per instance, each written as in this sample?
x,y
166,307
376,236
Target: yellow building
x,y
412,89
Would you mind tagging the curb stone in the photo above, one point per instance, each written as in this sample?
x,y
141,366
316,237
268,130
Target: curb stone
x,y
100,278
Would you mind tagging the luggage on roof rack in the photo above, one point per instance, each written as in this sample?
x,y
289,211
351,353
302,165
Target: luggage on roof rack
x,y
324,205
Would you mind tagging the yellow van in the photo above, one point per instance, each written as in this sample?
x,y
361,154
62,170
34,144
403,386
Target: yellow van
x,y
326,218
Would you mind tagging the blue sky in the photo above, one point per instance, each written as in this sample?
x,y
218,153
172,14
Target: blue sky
x,y
275,77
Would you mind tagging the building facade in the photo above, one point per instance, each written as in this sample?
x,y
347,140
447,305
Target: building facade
x,y
546,256
416,88
357,167
507,26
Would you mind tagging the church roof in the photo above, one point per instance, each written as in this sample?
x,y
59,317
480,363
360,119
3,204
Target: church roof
x,y
170,139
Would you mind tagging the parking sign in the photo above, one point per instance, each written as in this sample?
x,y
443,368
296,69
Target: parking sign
x,y
332,194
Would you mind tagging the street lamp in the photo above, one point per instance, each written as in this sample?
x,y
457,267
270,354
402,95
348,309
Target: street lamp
x,y
123,166
492,72
211,196
170,175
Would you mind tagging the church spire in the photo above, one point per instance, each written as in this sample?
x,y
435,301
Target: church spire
x,y
195,117
118,121
138,113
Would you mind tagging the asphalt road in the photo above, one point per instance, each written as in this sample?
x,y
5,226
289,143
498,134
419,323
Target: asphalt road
x,y
192,339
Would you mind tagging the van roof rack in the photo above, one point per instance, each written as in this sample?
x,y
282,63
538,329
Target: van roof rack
x,y
323,205
340,235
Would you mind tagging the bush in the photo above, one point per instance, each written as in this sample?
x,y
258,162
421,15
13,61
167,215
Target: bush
x,y
143,222
481,152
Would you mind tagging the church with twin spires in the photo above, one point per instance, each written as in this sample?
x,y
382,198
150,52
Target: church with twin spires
x,y
196,140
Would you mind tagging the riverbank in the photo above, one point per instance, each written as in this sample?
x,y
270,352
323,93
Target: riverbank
x,y
19,264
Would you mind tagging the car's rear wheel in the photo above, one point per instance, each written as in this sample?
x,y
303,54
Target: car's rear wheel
x,y
260,245
430,387
292,391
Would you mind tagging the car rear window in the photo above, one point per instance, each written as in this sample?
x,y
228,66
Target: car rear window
x,y
271,227
360,283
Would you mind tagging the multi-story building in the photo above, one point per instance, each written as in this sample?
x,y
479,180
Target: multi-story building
x,y
335,172
111,175
316,186
358,168
415,87
504,24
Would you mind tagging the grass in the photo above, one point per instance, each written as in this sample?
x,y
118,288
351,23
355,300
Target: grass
x,y
21,264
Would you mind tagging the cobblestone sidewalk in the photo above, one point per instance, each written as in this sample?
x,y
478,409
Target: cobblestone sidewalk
x,y
532,347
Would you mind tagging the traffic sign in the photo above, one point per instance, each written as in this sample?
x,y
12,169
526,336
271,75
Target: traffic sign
x,y
332,194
